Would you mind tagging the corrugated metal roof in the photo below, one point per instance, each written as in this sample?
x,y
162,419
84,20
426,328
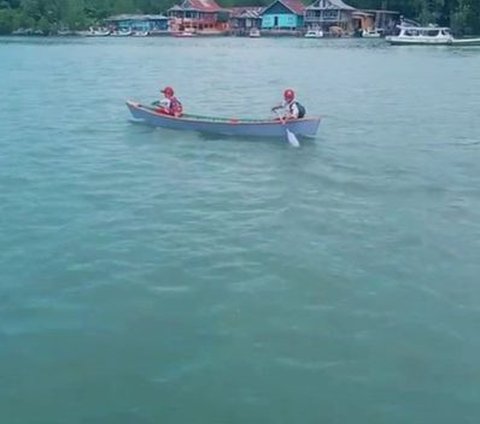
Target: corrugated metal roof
x,y
330,5
246,12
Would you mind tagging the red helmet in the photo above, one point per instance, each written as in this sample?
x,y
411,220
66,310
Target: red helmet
x,y
168,91
289,94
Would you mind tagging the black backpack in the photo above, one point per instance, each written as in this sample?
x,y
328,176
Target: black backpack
x,y
301,110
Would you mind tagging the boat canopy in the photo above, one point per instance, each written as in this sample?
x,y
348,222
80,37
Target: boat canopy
x,y
424,31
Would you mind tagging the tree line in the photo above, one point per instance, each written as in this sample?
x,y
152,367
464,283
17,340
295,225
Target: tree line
x,y
50,15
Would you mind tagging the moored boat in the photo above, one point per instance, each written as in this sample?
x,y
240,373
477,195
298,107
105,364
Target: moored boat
x,y
23,31
122,33
305,127
65,32
412,36
92,32
429,36
314,33
254,33
140,34
184,34
371,33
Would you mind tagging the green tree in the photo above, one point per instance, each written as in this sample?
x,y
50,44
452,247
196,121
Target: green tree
x,y
462,15
6,21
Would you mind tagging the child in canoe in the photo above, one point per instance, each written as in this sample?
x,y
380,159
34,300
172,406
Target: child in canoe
x,y
290,107
169,105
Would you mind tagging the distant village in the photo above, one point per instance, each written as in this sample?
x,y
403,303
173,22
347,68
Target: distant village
x,y
281,18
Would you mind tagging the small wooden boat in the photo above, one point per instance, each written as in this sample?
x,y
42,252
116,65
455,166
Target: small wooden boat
x,y
305,127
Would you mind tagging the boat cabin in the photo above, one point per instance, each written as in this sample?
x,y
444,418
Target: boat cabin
x,y
425,32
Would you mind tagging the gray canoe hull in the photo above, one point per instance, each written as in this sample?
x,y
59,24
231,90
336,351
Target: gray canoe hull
x,y
306,127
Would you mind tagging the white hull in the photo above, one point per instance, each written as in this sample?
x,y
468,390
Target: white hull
x,y
371,34
122,34
466,42
184,34
314,34
419,41
402,41
96,34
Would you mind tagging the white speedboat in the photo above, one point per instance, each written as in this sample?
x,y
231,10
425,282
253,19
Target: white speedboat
x,y
371,33
65,32
140,34
429,36
97,32
436,36
254,33
314,33
186,33
122,33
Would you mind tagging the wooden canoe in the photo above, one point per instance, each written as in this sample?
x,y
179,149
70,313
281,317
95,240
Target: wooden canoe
x,y
305,127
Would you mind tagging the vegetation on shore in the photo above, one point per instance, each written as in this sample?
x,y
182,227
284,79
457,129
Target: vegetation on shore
x,y
49,16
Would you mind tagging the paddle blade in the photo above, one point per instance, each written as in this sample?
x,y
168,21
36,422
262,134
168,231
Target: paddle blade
x,y
292,139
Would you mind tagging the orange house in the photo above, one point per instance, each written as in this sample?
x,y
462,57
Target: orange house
x,y
199,16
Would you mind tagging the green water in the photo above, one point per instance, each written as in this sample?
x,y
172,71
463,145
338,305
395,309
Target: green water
x,y
152,276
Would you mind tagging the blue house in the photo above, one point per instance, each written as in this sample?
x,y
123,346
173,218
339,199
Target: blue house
x,y
283,15
142,23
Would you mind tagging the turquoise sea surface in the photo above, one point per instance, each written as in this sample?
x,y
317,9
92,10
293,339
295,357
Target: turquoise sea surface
x,y
154,276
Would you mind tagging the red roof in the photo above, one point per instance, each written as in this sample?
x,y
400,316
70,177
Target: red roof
x,y
201,5
296,6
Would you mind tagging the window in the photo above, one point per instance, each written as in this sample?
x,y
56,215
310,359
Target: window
x,y
330,15
313,14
